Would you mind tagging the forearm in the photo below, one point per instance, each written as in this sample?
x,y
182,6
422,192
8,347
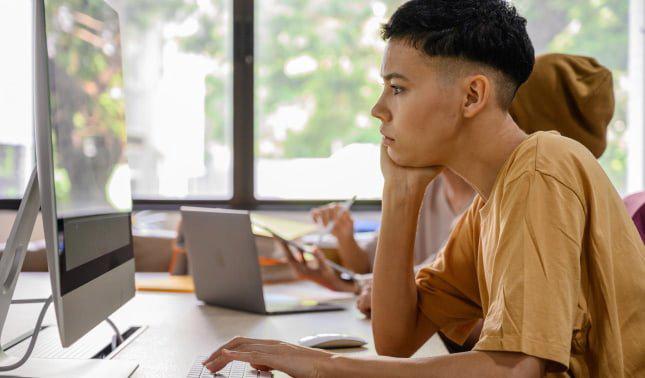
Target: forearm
x,y
353,256
396,332
480,364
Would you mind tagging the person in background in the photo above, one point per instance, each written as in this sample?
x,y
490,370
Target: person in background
x,y
571,94
444,200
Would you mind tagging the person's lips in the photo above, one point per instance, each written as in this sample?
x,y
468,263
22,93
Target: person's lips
x,y
387,142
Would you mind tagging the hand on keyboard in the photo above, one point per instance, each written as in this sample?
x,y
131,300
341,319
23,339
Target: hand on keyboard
x,y
294,360
235,369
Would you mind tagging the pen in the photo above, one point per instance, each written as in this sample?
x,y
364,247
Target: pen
x,y
345,206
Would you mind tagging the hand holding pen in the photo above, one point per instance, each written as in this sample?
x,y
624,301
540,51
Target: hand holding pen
x,y
335,218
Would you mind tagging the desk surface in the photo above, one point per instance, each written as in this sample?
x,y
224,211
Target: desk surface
x,y
180,327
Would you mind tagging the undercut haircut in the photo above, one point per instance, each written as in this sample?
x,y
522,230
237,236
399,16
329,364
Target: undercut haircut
x,y
488,33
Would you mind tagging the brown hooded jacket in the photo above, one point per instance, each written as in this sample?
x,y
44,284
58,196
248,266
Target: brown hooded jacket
x,y
571,94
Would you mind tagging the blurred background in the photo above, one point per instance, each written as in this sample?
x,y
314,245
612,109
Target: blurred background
x,y
316,75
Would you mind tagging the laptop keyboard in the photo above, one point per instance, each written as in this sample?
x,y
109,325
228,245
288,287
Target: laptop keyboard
x,y
235,369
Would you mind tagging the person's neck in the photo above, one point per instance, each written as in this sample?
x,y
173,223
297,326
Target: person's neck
x,y
483,150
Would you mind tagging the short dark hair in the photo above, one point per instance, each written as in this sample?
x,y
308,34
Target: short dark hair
x,y
488,32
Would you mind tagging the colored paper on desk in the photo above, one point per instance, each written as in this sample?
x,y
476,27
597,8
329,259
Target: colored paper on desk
x,y
170,284
287,228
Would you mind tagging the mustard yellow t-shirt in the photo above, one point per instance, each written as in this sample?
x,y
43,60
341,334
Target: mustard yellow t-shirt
x,y
551,262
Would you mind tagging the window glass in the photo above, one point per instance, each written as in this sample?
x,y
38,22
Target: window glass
x,y
177,62
178,85
16,130
316,78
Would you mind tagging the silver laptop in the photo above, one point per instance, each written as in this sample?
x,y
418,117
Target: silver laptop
x,y
224,262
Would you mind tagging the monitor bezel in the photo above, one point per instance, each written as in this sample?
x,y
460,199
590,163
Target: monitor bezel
x,y
71,324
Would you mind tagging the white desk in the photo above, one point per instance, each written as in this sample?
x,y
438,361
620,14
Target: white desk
x,y
180,327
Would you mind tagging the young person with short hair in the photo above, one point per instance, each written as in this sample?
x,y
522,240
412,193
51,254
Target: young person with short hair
x,y
546,254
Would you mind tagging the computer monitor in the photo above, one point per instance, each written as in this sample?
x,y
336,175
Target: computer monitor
x,y
81,182
83,175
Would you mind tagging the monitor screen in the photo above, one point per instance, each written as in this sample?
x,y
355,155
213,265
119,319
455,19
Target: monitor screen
x,y
91,177
91,174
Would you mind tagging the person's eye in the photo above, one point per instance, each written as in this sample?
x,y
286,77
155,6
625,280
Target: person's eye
x,y
396,89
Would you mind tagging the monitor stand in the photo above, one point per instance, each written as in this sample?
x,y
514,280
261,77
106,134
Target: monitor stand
x,y
11,262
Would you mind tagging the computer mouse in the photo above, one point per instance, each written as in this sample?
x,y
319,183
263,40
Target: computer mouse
x,y
331,341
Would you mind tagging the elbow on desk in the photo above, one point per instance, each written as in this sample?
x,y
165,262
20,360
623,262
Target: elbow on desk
x,y
390,349
400,343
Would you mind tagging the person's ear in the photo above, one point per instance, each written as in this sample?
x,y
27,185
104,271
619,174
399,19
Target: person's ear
x,y
478,93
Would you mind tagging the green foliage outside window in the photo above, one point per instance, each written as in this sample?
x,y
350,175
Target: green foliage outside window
x,y
339,92
338,41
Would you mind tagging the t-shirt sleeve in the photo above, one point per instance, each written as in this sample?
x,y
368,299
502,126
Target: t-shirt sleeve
x,y
447,289
533,269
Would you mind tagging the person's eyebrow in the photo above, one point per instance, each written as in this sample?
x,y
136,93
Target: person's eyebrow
x,y
394,75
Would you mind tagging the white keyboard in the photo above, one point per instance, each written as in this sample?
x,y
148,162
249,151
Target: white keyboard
x,y
48,344
235,369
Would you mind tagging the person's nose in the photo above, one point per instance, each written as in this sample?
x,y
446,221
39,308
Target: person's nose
x,y
380,111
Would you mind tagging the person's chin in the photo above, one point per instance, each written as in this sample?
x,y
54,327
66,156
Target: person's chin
x,y
392,153
398,158
405,160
